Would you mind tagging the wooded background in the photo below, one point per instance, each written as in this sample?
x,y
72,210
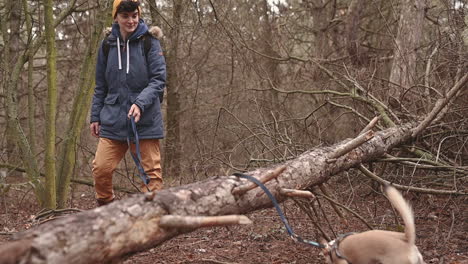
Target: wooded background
x,y
251,83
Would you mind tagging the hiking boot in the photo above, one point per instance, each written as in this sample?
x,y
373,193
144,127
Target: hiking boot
x,y
102,202
155,184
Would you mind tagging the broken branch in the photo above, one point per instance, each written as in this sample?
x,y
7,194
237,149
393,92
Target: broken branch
x,y
358,141
297,193
179,221
371,125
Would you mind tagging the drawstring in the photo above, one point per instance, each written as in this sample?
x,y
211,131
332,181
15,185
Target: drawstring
x,y
120,55
128,56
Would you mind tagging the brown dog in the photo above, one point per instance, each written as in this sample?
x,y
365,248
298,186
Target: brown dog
x,y
377,246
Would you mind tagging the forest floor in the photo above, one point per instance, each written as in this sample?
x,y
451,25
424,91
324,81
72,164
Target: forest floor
x,y
441,222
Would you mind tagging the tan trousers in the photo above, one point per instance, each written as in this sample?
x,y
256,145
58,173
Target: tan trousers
x,y
108,155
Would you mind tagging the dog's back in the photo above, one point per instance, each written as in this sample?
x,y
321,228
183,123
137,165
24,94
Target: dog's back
x,y
378,246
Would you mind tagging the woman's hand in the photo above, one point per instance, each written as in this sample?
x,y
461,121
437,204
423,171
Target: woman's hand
x,y
135,112
95,127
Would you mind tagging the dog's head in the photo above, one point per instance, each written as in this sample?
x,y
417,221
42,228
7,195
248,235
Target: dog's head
x,y
329,253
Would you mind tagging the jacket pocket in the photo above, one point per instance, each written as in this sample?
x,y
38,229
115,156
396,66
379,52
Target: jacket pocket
x,y
110,112
149,115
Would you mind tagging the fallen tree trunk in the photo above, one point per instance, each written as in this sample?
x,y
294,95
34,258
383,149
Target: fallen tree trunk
x,y
128,226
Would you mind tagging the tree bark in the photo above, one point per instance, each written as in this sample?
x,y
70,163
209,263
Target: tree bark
x,y
353,20
272,73
13,23
109,233
67,156
173,147
322,12
31,99
403,73
51,200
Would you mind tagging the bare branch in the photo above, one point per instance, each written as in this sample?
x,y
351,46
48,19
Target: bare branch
x,y
361,139
371,175
348,210
440,104
194,222
297,193
371,125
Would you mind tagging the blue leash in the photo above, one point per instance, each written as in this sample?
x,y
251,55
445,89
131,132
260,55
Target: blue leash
x,y
280,212
137,157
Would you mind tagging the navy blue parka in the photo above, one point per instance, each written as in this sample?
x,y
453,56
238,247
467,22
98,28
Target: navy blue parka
x,y
127,76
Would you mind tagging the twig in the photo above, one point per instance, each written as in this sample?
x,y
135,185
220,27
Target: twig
x,y
440,104
178,221
314,222
325,215
451,227
47,213
325,191
371,125
79,181
297,193
217,262
354,143
348,209
434,165
263,179
371,175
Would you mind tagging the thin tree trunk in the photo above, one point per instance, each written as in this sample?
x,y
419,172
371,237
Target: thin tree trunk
x,y
31,98
51,110
154,12
173,152
271,65
67,155
322,12
355,9
14,23
403,72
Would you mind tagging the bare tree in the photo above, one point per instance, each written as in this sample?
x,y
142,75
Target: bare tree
x,y
13,23
175,89
51,197
403,75
353,45
79,112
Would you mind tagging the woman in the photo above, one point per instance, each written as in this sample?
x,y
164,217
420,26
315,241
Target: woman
x,y
130,82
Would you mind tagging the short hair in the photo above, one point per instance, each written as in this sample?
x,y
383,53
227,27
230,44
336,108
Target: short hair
x,y
128,6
